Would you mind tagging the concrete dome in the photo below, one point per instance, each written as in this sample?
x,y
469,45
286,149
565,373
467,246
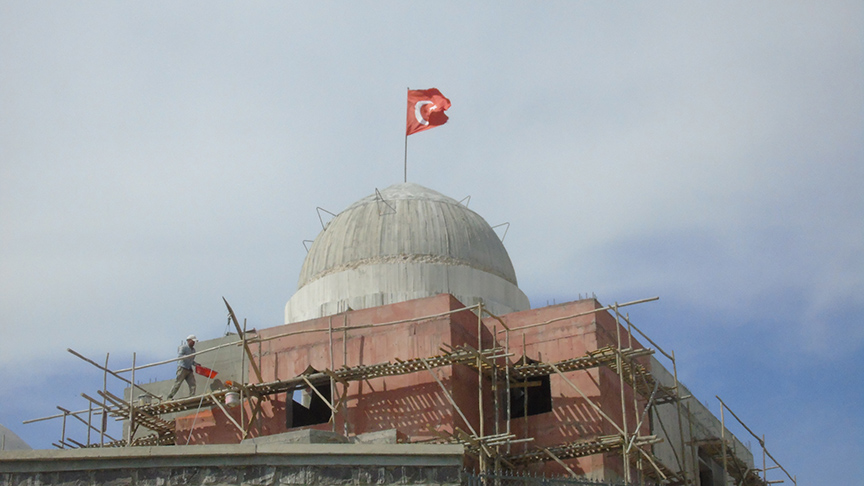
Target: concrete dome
x,y
410,242
9,441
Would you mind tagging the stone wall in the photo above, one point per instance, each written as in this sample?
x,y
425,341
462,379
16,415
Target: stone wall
x,y
243,464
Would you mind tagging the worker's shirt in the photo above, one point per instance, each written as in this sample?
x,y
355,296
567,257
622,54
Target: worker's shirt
x,y
185,350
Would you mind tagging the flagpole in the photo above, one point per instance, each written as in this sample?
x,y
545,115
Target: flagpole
x,y
406,143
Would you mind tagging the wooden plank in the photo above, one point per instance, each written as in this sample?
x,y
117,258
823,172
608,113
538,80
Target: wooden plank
x,y
245,344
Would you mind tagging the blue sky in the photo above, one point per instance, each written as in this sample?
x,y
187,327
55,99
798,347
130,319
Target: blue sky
x,y
156,156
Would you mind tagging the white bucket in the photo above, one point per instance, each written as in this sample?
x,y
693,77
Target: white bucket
x,y
143,400
232,399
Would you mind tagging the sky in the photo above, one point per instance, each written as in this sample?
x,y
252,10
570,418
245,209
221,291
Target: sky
x,y
157,156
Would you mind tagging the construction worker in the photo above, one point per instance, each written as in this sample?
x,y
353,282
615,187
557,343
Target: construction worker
x,y
184,366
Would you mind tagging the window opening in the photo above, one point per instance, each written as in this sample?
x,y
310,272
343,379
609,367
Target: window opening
x,y
539,394
306,407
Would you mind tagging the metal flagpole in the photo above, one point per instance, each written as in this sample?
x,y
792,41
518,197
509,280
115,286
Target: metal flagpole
x,y
406,142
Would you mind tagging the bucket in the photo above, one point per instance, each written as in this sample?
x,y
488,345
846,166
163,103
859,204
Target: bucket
x,y
143,400
232,399
205,371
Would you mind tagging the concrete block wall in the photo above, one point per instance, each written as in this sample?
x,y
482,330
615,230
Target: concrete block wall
x,y
246,464
702,422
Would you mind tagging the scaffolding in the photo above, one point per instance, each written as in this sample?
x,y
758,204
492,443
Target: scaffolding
x,y
497,375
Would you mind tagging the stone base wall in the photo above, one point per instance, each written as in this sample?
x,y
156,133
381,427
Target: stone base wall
x,y
271,464
241,475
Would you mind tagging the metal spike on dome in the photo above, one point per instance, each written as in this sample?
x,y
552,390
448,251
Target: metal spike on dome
x,y
323,225
505,230
380,199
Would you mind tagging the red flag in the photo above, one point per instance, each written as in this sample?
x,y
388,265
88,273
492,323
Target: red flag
x,y
425,110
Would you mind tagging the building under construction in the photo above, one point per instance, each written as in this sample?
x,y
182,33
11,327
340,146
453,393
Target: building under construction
x,y
408,328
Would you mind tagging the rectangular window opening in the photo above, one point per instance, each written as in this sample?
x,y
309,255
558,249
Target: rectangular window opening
x,y
530,397
310,409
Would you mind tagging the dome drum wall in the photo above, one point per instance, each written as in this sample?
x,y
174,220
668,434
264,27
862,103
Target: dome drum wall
x,y
375,285
411,242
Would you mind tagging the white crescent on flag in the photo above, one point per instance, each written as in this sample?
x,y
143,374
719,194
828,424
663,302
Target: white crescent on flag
x,y
419,106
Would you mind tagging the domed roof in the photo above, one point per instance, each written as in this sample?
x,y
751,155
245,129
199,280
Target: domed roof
x,y
11,441
406,222
401,243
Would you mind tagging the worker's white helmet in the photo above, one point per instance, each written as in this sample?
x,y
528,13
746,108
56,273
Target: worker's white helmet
x,y
192,337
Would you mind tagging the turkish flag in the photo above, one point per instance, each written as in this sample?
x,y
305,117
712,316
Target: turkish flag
x,y
425,110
